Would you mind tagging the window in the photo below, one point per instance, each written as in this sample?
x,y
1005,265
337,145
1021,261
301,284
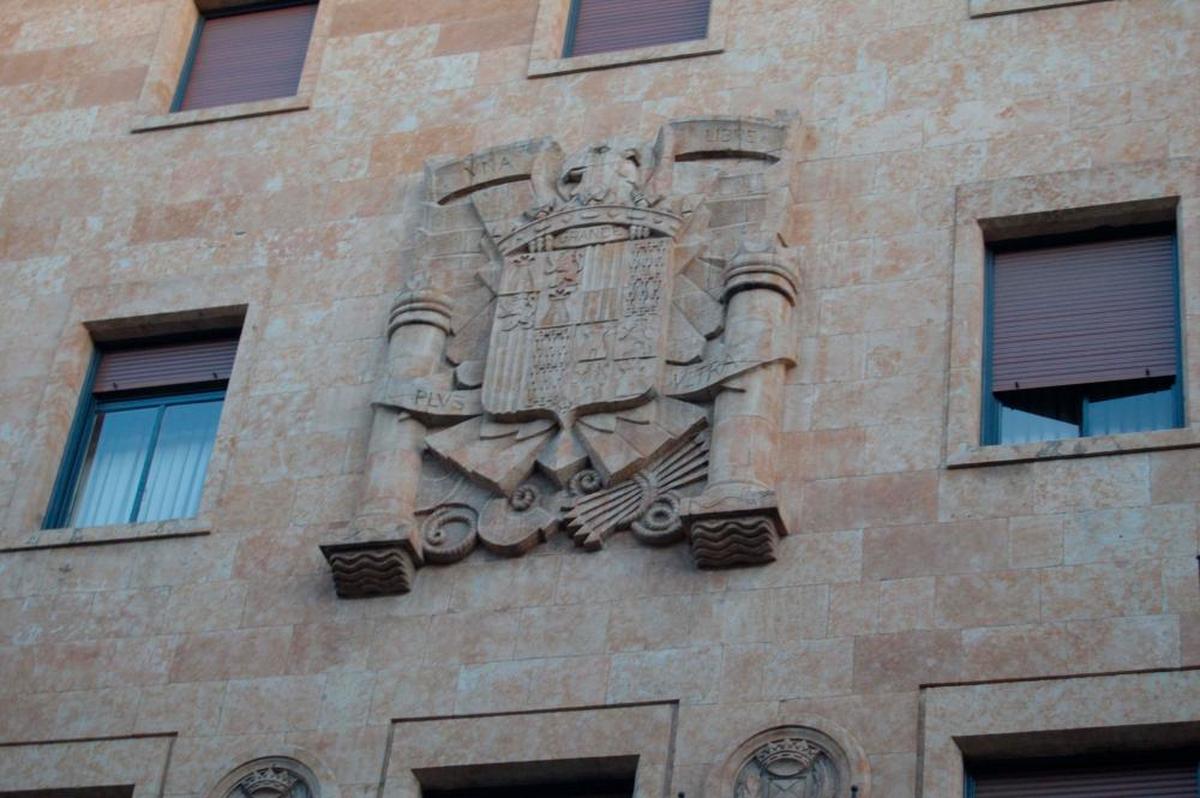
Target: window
x,y
1126,775
601,26
600,777
572,789
246,54
1083,336
143,435
78,792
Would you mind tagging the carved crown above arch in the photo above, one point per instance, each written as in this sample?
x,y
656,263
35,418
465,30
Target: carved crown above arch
x,y
268,777
794,761
587,344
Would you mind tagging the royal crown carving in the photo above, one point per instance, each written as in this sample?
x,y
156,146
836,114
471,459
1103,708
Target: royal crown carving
x,y
588,344
271,781
789,762
789,768
789,755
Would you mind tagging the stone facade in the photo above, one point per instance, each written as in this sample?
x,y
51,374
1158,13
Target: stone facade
x,y
834,166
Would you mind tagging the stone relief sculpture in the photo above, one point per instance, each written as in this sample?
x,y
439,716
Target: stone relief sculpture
x,y
791,762
587,345
272,781
271,777
788,768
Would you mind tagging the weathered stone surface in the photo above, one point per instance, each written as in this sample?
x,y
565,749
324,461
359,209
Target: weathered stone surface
x,y
964,547
907,604
1066,647
996,598
870,150
906,659
812,668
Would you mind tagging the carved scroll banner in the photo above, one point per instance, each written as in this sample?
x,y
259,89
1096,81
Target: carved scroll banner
x,y
587,345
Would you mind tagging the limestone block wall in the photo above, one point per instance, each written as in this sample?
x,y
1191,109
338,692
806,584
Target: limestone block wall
x,y
916,559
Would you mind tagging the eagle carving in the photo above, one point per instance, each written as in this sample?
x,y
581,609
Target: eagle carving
x,y
588,344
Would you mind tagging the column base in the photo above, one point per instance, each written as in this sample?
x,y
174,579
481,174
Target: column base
x,y
365,570
730,526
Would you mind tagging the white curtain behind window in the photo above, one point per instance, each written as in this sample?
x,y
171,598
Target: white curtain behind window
x,y
120,443
180,461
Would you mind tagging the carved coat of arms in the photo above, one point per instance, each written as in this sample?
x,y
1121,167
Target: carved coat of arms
x,y
586,345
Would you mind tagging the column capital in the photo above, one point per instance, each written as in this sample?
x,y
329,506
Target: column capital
x,y
420,306
771,268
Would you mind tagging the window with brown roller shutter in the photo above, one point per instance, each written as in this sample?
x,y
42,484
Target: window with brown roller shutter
x,y
246,55
1130,775
167,364
1083,337
1080,313
600,26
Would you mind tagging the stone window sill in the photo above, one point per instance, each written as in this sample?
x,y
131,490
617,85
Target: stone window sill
x,y
202,116
116,533
543,67
991,8
1183,438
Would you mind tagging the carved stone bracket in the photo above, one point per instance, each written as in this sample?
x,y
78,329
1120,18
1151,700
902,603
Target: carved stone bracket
x,y
589,344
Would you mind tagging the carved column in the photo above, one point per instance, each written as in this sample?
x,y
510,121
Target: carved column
x,y
387,546
417,329
736,521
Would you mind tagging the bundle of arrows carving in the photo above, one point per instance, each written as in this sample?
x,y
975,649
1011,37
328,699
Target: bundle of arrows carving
x,y
647,502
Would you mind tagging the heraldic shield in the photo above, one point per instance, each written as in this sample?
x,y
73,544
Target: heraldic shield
x,y
579,330
586,345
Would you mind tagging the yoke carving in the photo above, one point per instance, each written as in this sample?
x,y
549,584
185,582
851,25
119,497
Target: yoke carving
x,y
587,345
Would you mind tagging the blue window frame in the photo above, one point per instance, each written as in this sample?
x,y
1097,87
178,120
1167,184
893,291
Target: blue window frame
x,y
140,454
1081,410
